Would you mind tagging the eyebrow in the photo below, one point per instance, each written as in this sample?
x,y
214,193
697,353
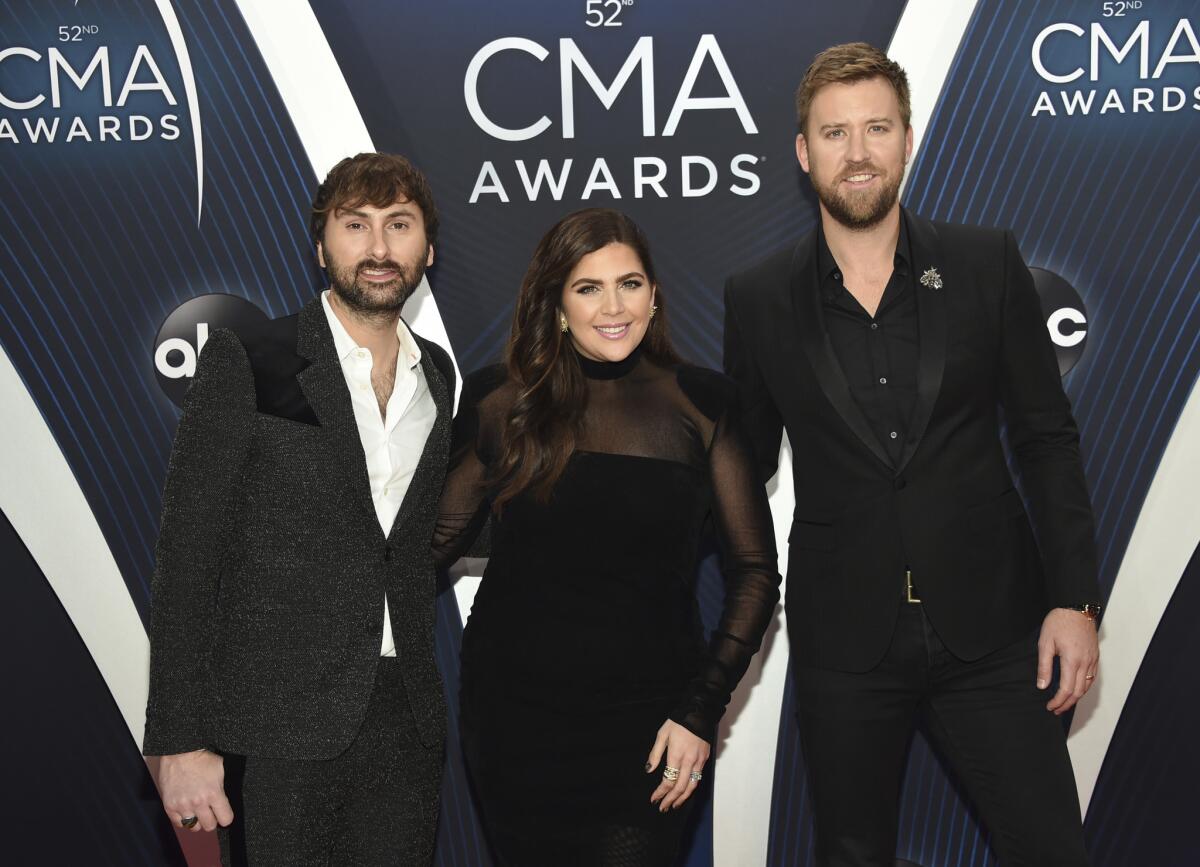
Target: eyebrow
x,y
351,212
841,123
620,279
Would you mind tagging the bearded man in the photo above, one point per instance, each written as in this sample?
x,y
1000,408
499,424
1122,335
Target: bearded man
x,y
918,592
294,696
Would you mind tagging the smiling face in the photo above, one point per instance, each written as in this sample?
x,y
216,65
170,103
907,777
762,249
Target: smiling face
x,y
606,301
854,148
375,257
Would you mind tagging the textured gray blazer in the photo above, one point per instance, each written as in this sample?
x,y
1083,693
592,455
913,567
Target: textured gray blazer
x,y
267,611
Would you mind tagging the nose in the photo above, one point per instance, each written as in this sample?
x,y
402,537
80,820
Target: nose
x,y
379,247
856,149
613,304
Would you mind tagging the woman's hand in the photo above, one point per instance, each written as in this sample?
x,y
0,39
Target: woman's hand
x,y
686,754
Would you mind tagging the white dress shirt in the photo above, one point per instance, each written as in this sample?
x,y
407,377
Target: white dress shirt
x,y
393,443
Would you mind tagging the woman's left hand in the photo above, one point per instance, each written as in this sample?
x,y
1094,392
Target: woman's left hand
x,y
685,753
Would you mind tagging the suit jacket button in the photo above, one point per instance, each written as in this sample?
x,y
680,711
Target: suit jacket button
x,y
899,483
370,627
387,553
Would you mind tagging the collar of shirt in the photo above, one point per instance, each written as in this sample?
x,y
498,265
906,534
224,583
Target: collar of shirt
x,y
831,274
343,343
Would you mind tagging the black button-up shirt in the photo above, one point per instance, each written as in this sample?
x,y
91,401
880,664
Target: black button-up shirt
x,y
878,355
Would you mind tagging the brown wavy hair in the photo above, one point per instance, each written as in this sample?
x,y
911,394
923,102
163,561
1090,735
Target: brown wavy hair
x,y
851,63
376,180
545,419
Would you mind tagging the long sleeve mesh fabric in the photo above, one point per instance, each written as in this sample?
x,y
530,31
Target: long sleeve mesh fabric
x,y
746,535
644,534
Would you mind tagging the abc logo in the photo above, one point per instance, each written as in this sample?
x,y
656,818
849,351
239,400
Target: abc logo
x,y
1066,317
184,333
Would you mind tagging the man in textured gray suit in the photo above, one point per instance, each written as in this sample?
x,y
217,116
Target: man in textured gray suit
x,y
294,696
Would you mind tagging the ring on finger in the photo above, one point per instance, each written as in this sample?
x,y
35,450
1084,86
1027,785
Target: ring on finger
x,y
189,821
670,773
695,776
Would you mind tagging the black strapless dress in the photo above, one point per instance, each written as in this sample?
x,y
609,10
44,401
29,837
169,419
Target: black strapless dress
x,y
585,635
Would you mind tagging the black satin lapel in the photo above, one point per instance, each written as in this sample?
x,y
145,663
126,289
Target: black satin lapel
x,y
324,386
807,299
435,443
931,316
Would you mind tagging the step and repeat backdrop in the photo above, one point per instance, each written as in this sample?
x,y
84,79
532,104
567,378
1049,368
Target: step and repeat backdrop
x,y
157,158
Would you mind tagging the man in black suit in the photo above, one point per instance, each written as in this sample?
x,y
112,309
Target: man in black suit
x,y
891,348
294,695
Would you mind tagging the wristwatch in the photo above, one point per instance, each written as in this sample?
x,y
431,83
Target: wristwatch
x,y
1090,610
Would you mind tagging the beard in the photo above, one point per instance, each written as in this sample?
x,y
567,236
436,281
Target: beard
x,y
371,299
859,210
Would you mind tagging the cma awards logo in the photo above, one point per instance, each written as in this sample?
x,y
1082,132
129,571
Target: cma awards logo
x,y
182,336
1067,54
688,176
77,87
1066,318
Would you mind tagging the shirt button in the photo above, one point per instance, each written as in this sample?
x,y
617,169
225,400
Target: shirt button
x,y
883,380
362,353
893,434
386,491
362,386
874,326
837,275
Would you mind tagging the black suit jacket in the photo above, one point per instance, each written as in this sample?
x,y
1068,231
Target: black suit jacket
x,y
948,510
267,612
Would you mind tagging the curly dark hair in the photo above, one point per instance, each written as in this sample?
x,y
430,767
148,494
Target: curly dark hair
x,y
376,180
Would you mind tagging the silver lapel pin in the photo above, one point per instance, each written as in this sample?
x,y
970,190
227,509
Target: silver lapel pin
x,y
932,279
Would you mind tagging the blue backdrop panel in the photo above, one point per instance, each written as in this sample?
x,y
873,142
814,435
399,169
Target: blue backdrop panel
x,y
1144,806
79,792
107,233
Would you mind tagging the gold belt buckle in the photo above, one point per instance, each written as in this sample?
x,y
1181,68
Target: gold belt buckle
x,y
908,587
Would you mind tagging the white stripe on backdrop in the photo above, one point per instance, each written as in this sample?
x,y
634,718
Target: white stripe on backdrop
x,y
43,501
1164,538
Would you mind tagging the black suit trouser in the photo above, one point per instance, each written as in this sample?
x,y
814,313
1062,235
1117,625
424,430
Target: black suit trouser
x,y
375,804
986,718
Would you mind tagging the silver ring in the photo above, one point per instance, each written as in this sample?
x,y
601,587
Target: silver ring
x,y
695,776
189,821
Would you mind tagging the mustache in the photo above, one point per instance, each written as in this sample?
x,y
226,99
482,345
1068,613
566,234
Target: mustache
x,y
380,265
860,168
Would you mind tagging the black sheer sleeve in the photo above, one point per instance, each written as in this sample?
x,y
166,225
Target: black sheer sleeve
x,y
463,507
747,539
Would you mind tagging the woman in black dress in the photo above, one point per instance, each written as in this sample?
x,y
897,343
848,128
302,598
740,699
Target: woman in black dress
x,y
590,698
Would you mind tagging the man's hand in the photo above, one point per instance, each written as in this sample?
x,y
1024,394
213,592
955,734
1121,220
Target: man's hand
x,y
193,784
686,755
1071,636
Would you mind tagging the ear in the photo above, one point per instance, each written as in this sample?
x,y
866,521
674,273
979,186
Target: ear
x,y
429,256
321,255
908,144
802,152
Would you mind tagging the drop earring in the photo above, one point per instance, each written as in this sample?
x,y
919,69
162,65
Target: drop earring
x,y
562,323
